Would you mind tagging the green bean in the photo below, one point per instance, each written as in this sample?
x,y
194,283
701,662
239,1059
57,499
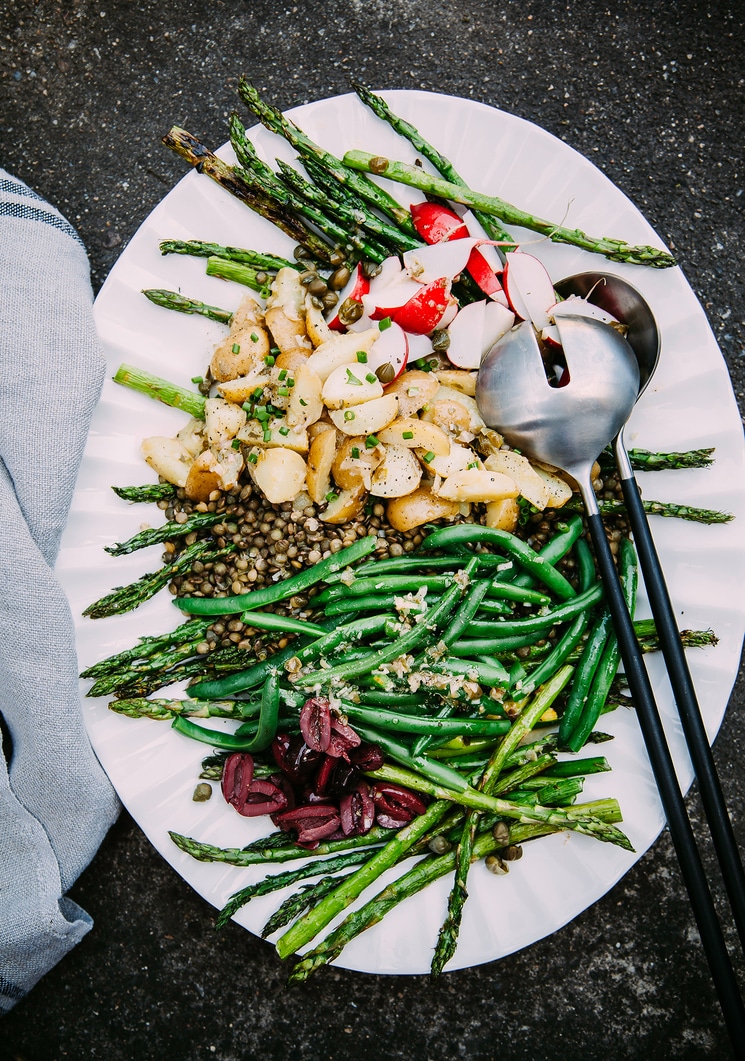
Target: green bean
x,y
535,623
375,603
586,668
288,587
534,563
404,645
610,658
510,591
266,730
362,587
492,674
416,561
216,738
284,623
403,723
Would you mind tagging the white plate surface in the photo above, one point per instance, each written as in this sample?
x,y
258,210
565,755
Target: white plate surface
x,y
689,403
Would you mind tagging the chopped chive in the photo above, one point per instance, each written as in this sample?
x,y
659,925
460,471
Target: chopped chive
x,y
290,382
361,357
267,435
284,391
303,401
355,452
236,348
257,393
252,458
254,337
269,359
384,324
331,496
371,377
407,434
282,373
348,415
261,413
284,430
274,350
428,457
197,379
473,464
371,442
236,443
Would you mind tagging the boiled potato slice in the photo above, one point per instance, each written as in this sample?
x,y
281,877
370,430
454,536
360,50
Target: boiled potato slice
x,y
413,433
457,460
279,474
449,415
320,459
274,433
306,400
223,420
459,380
355,462
366,419
417,508
241,390
503,515
168,457
292,359
191,436
347,506
318,329
245,346
559,490
451,394
414,389
350,385
341,349
285,313
213,470
398,475
532,487
477,484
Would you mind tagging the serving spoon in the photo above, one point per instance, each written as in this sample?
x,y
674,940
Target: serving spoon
x,y
569,426
619,298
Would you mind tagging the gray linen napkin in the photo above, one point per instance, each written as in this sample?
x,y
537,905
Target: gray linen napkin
x,y
56,804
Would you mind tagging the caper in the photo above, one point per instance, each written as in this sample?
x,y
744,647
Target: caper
x,y
370,269
512,853
350,311
307,277
301,254
336,257
318,286
340,278
496,865
386,373
330,299
440,339
202,792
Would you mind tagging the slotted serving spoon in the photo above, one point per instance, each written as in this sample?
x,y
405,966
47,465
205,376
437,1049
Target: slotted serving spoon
x,y
569,426
624,302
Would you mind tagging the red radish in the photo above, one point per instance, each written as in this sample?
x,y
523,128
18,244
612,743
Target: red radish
x,y
574,306
419,346
382,302
357,286
424,311
447,258
497,322
466,335
390,348
434,222
551,335
482,272
529,288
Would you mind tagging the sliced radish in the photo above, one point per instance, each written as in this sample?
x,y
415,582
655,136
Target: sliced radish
x,y
574,306
447,258
384,301
419,346
551,335
497,322
466,336
357,286
390,348
529,288
484,275
425,310
434,222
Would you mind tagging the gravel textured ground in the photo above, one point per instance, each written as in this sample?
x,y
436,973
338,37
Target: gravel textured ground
x,y
652,93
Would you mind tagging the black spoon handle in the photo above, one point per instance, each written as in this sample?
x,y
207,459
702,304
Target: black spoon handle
x,y
670,794
684,691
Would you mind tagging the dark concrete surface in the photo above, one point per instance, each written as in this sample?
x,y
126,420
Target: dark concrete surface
x,y
653,94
